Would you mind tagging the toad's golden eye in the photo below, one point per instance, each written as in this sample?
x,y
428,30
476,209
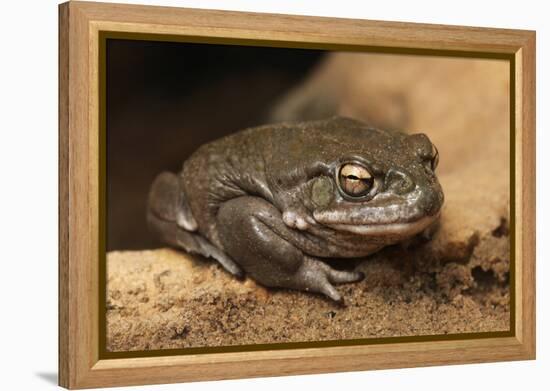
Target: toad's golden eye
x,y
435,158
355,180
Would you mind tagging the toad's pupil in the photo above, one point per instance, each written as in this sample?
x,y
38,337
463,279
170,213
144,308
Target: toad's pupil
x,y
355,180
355,187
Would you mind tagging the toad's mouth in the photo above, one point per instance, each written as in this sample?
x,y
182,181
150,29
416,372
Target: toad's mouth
x,y
387,214
403,229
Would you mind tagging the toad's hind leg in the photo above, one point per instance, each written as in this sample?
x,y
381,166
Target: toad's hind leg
x,y
169,216
252,231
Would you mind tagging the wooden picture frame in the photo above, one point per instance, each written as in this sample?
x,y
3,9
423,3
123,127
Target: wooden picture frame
x,y
81,162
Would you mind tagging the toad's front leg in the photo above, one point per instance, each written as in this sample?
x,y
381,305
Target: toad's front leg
x,y
253,233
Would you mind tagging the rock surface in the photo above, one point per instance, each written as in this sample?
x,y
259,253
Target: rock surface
x,y
458,282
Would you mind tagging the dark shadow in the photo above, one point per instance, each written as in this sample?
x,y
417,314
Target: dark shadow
x,y
49,377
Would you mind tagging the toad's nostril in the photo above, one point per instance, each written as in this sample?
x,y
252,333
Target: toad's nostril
x,y
433,202
398,182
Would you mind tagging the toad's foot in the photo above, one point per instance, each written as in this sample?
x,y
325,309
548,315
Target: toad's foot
x,y
315,275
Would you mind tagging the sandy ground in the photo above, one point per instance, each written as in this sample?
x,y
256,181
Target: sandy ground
x,y
454,283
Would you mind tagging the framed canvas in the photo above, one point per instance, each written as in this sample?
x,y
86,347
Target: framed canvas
x,y
247,195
